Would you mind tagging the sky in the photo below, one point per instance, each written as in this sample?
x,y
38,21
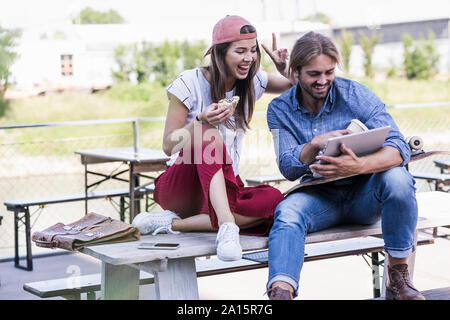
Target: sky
x,y
184,17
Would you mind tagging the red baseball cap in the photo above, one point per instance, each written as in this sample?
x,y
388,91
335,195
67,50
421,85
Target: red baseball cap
x,y
228,29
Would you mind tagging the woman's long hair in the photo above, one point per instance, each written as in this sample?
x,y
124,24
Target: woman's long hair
x,y
243,88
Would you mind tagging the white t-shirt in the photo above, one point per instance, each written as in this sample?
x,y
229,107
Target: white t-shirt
x,y
193,90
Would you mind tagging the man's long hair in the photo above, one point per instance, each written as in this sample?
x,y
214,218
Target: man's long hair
x,y
243,88
309,46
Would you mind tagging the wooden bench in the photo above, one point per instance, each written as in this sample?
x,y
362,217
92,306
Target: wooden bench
x,y
440,180
443,165
21,209
73,288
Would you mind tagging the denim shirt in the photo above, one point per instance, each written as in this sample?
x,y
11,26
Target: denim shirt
x,y
293,126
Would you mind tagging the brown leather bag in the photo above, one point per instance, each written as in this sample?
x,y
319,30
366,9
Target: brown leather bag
x,y
92,229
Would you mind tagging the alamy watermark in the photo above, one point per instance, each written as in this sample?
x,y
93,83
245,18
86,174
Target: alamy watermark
x,y
206,146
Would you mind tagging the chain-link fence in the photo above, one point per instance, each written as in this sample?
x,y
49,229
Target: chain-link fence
x,y
33,167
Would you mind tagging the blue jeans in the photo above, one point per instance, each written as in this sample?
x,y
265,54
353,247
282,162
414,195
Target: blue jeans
x,y
389,195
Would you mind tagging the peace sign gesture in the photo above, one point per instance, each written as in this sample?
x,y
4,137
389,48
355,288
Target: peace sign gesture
x,y
279,56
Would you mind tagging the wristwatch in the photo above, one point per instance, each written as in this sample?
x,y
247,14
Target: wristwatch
x,y
197,118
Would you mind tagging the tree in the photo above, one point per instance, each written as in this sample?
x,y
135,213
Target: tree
x,y
121,55
192,54
345,42
368,46
91,16
167,63
134,60
318,17
160,64
143,60
421,58
7,58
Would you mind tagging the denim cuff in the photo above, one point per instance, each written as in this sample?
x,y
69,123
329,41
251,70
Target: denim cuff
x,y
284,278
400,253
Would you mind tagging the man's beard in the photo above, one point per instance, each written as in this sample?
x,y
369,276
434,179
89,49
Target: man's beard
x,y
315,95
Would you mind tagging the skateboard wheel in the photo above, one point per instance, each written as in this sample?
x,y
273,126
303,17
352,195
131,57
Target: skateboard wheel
x,y
415,142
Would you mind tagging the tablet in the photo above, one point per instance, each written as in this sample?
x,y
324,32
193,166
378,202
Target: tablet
x,y
361,143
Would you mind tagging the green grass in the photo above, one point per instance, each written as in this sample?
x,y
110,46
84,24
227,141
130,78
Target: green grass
x,y
398,91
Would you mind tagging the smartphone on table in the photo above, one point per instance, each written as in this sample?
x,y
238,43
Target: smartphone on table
x,y
158,245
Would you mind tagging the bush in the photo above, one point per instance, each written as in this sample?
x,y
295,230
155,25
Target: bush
x,y
4,106
420,58
368,47
91,16
7,56
161,63
345,42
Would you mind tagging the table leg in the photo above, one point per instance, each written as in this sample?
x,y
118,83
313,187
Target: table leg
x,y
28,240
119,282
85,189
375,274
132,194
27,224
135,205
16,238
178,281
412,257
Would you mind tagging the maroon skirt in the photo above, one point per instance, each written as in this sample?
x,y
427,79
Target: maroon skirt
x,y
184,188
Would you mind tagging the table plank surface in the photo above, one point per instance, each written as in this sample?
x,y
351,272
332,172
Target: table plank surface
x,y
192,244
125,154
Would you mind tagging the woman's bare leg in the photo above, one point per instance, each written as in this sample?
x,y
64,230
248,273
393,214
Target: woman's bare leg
x,y
202,222
219,199
245,222
199,222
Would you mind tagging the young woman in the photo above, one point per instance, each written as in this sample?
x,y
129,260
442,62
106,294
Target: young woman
x,y
201,189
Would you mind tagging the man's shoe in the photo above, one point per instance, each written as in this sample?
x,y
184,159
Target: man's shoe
x,y
278,293
154,223
227,242
399,285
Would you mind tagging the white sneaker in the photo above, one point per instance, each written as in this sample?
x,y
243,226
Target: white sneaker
x,y
158,222
227,242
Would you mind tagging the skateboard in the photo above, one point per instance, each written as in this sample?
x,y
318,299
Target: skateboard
x,y
417,153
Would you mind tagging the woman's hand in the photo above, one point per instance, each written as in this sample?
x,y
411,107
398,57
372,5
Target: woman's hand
x,y
280,57
215,115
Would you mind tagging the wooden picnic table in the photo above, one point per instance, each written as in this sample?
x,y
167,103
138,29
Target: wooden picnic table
x,y
442,164
138,160
175,272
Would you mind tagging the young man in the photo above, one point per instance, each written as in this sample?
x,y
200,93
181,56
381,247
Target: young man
x,y
301,120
